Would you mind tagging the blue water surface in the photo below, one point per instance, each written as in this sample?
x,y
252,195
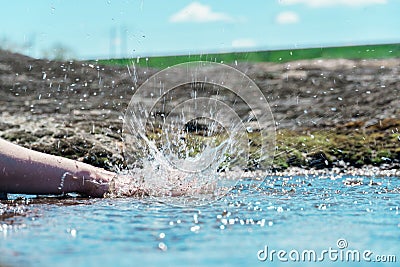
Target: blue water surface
x,y
285,213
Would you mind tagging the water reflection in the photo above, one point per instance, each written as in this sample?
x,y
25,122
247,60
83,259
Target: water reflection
x,y
287,212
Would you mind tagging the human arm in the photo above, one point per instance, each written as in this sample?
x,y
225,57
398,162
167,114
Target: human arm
x,y
30,172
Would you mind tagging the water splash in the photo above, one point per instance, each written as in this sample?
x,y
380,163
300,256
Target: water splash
x,y
61,186
189,123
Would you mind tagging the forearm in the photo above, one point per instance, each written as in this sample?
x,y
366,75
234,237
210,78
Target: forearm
x,y
31,172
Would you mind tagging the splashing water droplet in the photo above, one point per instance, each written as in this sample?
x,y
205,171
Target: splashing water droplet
x,y
63,180
179,134
162,246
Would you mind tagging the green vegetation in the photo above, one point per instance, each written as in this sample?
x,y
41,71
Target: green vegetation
x,y
351,144
348,52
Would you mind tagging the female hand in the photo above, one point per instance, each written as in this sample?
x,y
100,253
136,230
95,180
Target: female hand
x,y
25,171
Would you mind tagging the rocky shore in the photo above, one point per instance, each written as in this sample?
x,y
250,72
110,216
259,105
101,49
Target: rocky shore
x,y
329,114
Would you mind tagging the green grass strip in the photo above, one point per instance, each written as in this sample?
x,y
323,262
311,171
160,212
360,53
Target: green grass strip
x,y
348,52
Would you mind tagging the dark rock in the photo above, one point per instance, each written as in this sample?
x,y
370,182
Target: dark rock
x,y
319,161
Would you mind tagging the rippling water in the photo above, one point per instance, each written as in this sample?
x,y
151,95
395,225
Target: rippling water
x,y
288,213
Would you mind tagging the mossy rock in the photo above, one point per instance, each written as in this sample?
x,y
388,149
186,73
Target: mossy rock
x,y
319,160
385,124
20,137
43,133
296,159
384,153
6,126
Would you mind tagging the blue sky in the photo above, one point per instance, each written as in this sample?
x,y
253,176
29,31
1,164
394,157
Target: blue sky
x,y
109,28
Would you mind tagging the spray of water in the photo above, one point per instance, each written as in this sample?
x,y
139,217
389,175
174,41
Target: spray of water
x,y
189,123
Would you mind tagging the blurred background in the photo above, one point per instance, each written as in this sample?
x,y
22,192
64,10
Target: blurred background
x,y
323,65
92,29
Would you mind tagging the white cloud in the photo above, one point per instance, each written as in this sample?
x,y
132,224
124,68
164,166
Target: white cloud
x,y
327,3
196,12
287,17
243,43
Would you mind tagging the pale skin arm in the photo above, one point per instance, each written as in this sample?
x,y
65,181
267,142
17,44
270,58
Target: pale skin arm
x,y
25,171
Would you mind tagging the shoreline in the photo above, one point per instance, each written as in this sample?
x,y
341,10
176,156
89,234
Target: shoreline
x,y
367,171
364,171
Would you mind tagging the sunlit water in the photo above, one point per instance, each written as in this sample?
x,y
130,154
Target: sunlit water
x,y
284,213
